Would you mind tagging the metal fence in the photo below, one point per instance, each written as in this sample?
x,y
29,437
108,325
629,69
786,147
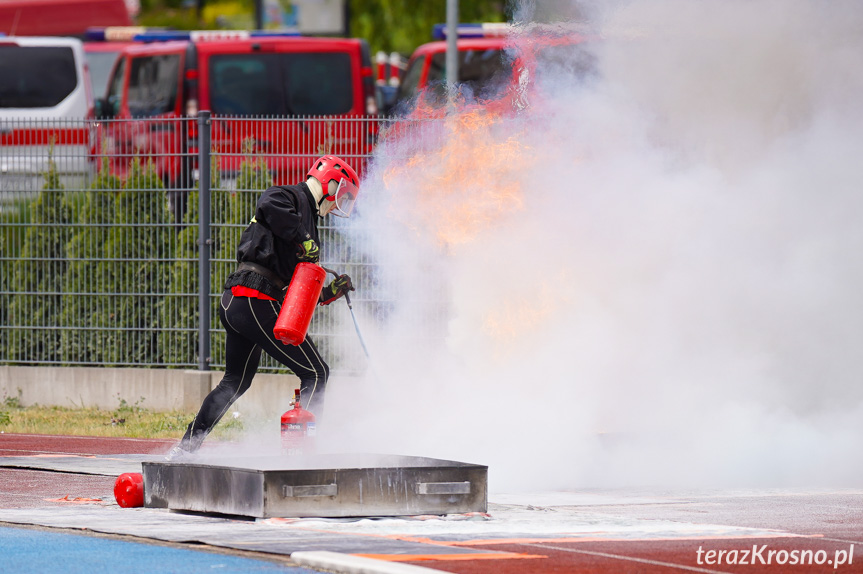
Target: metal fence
x,y
101,223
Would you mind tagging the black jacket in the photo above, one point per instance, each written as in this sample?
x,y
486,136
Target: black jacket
x,y
285,216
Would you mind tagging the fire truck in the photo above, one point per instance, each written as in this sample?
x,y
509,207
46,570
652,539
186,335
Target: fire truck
x,y
495,67
483,66
101,55
267,93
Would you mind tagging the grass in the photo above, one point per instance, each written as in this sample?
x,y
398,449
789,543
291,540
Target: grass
x,y
127,420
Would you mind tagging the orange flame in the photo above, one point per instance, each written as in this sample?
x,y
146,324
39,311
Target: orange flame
x,y
467,186
515,319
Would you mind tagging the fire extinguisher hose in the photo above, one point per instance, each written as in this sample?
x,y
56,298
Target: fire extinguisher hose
x,y
353,316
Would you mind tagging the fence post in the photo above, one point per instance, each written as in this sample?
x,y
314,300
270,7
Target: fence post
x,y
204,240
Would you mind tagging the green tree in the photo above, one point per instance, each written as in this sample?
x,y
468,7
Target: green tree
x,y
38,275
5,283
5,271
388,25
178,339
231,212
137,252
233,209
89,277
402,25
14,221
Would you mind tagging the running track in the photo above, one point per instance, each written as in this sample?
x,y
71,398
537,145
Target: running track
x,y
812,525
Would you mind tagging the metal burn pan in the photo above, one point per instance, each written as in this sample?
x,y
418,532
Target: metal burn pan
x,y
327,486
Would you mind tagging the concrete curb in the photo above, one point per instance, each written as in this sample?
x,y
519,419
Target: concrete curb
x,y
349,564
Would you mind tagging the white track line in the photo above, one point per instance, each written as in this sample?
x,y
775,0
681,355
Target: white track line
x,y
630,559
348,564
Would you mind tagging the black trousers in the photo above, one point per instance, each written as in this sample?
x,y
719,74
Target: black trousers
x,y
249,323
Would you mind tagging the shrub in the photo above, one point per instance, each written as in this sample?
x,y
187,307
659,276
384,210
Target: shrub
x,y
178,340
89,276
232,210
137,252
38,275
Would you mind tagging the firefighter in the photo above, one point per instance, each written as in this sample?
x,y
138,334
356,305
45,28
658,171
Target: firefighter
x,y
282,233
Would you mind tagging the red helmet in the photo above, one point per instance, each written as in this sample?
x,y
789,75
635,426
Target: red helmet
x,y
331,168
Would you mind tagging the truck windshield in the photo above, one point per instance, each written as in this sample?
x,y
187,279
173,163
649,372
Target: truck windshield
x,y
478,70
36,76
410,81
281,84
563,63
100,69
153,85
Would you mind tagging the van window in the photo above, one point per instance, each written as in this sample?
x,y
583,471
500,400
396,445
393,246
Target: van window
x,y
153,85
36,76
281,84
480,71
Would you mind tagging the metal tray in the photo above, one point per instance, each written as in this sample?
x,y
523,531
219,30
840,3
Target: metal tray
x,y
325,485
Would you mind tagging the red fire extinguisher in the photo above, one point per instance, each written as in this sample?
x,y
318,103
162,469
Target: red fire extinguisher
x,y
129,490
299,305
298,429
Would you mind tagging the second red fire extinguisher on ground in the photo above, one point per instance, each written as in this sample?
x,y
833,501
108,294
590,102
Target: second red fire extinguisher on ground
x,y
301,298
298,429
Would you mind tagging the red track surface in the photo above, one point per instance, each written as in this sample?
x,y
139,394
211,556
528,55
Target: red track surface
x,y
25,488
830,524
28,444
651,556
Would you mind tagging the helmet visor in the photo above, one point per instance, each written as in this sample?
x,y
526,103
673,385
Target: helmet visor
x,y
346,196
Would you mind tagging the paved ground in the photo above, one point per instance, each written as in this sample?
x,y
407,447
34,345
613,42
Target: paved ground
x,y
55,486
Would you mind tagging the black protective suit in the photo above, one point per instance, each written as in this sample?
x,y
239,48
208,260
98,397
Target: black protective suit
x,y
284,217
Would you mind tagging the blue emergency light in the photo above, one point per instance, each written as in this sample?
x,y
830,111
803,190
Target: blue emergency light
x,y
213,35
117,33
143,34
485,30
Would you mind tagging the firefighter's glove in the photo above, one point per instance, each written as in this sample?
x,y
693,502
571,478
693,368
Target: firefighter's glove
x,y
310,252
340,285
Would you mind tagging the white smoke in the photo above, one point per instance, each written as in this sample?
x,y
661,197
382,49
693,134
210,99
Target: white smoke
x,y
672,295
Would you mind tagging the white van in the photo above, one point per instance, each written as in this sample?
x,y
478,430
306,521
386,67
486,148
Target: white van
x,y
46,110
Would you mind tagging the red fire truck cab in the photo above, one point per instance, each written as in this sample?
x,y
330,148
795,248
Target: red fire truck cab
x,y
496,66
483,67
253,83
